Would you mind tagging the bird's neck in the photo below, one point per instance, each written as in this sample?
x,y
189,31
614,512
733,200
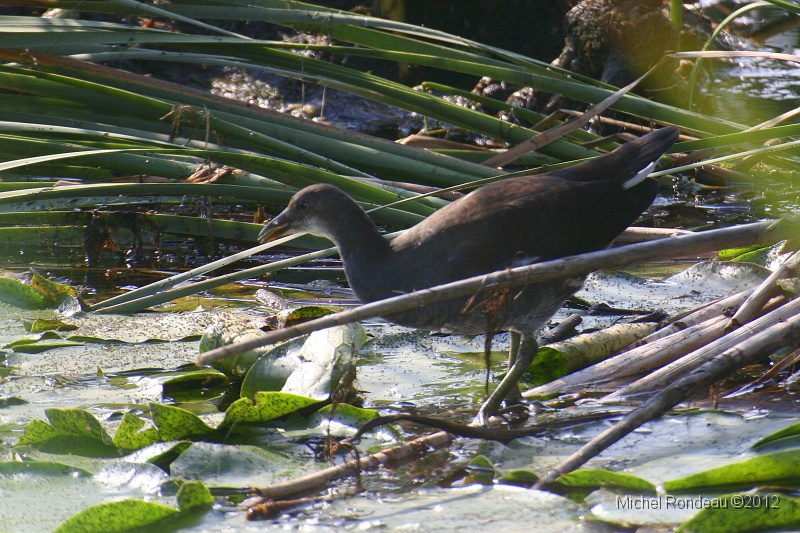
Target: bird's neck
x,y
367,257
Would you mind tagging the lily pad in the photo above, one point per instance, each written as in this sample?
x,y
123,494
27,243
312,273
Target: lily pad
x,y
264,406
129,435
120,516
750,512
174,423
18,294
778,468
314,370
194,495
791,431
591,479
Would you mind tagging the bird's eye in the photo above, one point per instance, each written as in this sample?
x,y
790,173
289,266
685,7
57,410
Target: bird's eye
x,y
302,205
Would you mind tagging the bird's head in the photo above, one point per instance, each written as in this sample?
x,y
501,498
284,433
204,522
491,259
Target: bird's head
x,y
315,210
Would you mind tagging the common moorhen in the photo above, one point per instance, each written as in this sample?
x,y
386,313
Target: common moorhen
x,y
507,223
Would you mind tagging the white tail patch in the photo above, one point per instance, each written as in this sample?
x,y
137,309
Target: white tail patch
x,y
640,176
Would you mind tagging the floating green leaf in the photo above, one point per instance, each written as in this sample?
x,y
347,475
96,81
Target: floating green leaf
x,y
778,468
53,290
306,312
18,294
196,379
481,470
174,423
39,346
596,478
193,495
41,324
114,517
264,406
791,431
129,436
78,422
70,431
741,513
520,478
734,254
38,432
348,415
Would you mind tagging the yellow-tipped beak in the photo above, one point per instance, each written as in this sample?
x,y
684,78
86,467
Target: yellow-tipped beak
x,y
275,228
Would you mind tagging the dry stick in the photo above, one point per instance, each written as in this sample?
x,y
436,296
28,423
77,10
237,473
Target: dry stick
x,y
657,349
697,316
762,294
579,265
392,457
641,234
687,363
710,372
419,447
636,361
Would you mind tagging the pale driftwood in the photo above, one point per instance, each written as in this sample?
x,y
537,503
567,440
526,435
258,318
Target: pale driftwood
x,y
762,294
638,234
636,361
782,331
580,265
588,349
697,316
392,457
683,335
688,363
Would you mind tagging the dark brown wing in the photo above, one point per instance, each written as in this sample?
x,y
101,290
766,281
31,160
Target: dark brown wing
x,y
546,218
535,218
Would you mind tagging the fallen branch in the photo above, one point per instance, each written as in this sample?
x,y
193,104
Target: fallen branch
x,y
688,363
780,333
419,447
636,361
684,335
579,265
698,316
768,288
392,457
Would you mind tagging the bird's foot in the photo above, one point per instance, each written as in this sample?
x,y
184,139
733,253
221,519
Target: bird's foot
x,y
510,410
508,390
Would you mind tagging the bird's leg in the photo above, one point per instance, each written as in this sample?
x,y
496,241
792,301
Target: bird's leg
x,y
520,356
